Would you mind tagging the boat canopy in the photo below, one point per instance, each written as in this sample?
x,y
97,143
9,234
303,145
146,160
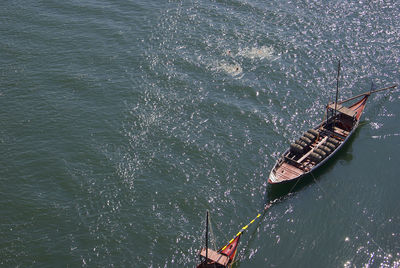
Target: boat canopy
x,y
342,109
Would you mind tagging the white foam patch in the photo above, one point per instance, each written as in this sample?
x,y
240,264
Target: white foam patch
x,y
232,69
261,53
375,125
386,136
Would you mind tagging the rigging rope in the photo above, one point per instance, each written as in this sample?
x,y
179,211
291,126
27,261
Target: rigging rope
x,y
212,236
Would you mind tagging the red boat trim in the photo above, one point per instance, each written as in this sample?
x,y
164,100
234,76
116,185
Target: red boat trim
x,y
231,249
359,107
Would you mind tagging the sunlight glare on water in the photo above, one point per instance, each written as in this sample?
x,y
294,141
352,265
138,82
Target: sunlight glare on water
x,y
122,123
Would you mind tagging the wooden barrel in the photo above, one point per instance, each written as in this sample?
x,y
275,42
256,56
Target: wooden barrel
x,y
313,131
330,145
310,136
315,157
301,143
320,152
296,148
334,141
306,140
326,149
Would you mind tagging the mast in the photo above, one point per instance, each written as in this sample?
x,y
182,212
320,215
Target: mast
x,y
372,87
207,237
337,83
337,92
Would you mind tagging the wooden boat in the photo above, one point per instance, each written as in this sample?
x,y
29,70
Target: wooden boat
x,y
316,146
223,258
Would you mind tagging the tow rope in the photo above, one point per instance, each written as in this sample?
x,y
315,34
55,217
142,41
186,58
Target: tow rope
x,y
247,226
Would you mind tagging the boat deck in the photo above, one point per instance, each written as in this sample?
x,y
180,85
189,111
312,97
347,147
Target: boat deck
x,y
287,172
294,166
214,256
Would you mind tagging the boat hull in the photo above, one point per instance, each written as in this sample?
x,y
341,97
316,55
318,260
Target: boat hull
x,y
272,178
224,258
288,170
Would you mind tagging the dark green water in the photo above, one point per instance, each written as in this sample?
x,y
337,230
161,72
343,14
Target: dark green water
x,y
123,122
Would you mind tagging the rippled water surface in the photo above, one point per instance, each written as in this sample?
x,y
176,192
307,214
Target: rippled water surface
x,y
123,122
